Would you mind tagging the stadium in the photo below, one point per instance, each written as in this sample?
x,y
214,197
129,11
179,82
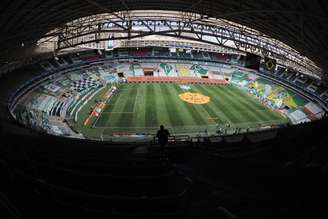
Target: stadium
x,y
241,88
104,94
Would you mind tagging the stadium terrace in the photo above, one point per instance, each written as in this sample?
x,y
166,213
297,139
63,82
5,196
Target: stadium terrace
x,y
163,109
121,79
129,92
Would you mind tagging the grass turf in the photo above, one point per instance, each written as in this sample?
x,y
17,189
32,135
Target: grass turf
x,y
141,108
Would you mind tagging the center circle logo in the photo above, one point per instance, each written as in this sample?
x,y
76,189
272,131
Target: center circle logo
x,y
194,98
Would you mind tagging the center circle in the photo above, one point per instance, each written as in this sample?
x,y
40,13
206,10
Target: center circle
x,y
194,98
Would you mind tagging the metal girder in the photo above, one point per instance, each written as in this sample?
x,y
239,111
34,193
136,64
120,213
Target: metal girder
x,y
214,31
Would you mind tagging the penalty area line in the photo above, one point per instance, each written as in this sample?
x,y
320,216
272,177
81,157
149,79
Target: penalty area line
x,y
118,112
106,101
104,112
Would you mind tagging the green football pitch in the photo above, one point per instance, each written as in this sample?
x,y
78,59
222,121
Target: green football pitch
x,y
142,108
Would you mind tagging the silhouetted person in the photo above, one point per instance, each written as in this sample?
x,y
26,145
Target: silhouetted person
x,y
163,137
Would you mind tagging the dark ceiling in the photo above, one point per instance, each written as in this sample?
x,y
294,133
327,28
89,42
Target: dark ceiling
x,y
302,24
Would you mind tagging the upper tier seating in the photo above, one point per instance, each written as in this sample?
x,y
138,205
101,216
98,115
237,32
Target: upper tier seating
x,y
291,78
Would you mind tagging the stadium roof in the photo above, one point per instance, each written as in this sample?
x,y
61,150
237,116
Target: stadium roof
x,y
299,23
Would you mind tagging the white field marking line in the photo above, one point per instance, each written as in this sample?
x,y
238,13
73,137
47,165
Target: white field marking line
x,y
220,111
133,111
191,126
124,89
87,101
118,113
103,112
94,124
261,110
